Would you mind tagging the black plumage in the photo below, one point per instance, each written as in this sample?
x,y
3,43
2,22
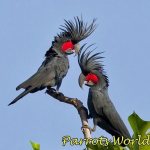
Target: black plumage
x,y
101,108
56,64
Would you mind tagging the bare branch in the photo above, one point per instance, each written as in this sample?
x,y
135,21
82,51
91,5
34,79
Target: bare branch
x,y
82,110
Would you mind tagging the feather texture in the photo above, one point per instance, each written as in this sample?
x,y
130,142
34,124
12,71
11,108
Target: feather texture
x,y
55,66
75,31
101,108
89,62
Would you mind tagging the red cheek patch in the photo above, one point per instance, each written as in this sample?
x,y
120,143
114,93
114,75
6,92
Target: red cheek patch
x,y
67,45
92,77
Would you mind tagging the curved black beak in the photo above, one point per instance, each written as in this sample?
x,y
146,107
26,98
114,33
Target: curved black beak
x,y
81,80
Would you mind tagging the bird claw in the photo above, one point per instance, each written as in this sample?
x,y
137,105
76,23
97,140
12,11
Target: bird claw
x,y
52,90
93,129
57,92
89,116
86,126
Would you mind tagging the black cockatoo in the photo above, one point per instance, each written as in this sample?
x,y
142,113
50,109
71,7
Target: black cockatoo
x,y
56,64
101,108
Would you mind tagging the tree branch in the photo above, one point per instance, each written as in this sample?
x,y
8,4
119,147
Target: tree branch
x,y
82,110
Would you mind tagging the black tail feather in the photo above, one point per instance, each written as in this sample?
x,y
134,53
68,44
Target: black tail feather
x,y
20,96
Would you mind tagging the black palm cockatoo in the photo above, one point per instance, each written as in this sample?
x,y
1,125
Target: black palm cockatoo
x,y
101,109
56,64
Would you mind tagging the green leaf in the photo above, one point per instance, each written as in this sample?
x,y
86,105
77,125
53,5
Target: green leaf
x,y
35,146
140,128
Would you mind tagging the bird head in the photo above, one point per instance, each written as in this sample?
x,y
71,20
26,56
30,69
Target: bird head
x,y
67,47
92,73
89,79
73,31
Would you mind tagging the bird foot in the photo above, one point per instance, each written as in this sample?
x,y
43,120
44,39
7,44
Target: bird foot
x,y
89,116
52,90
57,92
94,128
86,126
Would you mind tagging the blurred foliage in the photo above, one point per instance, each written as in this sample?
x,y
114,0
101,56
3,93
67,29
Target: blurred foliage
x,y
140,139
141,130
35,146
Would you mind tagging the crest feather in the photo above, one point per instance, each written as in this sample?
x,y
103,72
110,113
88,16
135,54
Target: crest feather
x,y
77,29
89,62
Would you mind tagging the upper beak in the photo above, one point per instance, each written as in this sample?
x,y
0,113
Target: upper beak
x,y
81,80
76,48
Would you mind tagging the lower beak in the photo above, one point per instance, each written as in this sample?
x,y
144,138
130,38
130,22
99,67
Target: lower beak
x,y
89,83
69,52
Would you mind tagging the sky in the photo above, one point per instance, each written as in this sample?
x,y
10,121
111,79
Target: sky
x,y
27,28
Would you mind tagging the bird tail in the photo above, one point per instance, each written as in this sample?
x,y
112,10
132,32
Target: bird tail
x,y
20,96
